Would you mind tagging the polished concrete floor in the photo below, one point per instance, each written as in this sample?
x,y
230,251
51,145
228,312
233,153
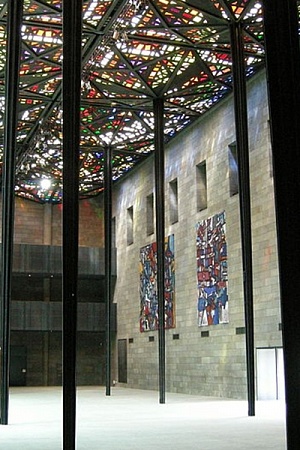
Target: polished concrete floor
x,y
131,419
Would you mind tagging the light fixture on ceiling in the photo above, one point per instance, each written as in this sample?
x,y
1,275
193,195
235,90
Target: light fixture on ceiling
x,y
46,184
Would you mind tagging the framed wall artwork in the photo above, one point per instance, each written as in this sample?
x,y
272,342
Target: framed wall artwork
x,y
148,286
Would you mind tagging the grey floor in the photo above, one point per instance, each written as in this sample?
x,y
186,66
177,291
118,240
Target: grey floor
x,y
131,419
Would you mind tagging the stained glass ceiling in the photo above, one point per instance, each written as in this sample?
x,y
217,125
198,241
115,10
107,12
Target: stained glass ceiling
x,y
133,51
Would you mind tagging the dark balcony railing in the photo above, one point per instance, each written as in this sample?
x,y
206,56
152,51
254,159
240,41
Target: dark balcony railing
x,y
37,288
46,259
47,316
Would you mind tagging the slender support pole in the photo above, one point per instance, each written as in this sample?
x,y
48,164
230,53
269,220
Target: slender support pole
x,y
108,259
241,122
72,11
158,105
283,74
14,22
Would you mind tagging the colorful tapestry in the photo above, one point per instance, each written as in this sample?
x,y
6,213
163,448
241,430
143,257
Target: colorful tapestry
x,y
148,286
212,271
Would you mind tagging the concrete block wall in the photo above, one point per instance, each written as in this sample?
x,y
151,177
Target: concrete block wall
x,y
213,365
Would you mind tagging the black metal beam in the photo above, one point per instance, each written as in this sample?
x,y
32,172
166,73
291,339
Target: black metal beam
x,y
108,259
14,22
283,74
158,106
72,23
241,124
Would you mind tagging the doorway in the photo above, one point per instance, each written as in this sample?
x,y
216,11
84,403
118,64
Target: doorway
x,y
18,365
122,361
270,373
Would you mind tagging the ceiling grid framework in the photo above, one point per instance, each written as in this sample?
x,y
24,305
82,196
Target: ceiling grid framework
x,y
133,51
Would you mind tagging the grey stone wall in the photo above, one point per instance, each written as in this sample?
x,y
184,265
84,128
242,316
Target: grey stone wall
x,y
213,365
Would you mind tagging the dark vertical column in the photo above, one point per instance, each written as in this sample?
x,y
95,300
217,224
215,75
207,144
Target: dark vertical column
x,y
158,105
283,74
108,259
71,138
14,21
241,123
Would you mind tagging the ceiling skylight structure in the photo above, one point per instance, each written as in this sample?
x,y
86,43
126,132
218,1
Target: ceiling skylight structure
x,y
133,51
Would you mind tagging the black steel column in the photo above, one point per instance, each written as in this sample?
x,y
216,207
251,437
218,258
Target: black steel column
x,y
241,124
108,259
158,106
14,22
283,74
72,23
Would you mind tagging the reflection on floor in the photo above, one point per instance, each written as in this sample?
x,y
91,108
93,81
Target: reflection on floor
x,y
131,419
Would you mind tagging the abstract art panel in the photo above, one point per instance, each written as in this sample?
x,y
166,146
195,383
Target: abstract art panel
x,y
148,286
212,271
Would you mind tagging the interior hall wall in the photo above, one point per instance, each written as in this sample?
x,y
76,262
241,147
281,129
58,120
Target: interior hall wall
x,y
41,224
44,357
196,363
